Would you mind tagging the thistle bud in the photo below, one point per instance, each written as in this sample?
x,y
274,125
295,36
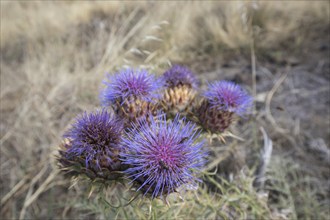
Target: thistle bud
x,y
91,147
181,86
222,102
132,94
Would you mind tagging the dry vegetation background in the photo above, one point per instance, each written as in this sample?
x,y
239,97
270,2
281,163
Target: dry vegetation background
x,y
54,56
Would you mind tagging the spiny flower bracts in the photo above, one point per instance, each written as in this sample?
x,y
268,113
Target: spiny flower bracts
x,y
180,90
222,101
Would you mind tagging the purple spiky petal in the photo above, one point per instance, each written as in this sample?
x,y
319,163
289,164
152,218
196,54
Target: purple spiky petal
x,y
95,138
130,83
228,96
180,75
162,155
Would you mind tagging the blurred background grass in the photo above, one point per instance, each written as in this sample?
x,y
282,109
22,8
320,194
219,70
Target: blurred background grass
x,y
54,56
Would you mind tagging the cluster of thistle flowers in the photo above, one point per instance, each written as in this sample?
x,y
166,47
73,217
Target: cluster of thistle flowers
x,y
152,135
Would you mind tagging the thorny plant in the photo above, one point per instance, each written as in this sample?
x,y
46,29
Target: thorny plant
x,y
69,53
150,134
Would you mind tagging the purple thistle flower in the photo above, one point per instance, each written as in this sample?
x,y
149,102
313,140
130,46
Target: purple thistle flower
x,y
95,138
228,96
162,155
221,102
180,75
129,83
181,88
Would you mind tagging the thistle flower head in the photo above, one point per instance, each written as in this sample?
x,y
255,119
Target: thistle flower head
x,y
94,139
228,96
130,83
180,91
162,155
180,75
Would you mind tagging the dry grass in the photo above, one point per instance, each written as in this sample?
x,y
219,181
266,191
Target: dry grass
x,y
54,56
